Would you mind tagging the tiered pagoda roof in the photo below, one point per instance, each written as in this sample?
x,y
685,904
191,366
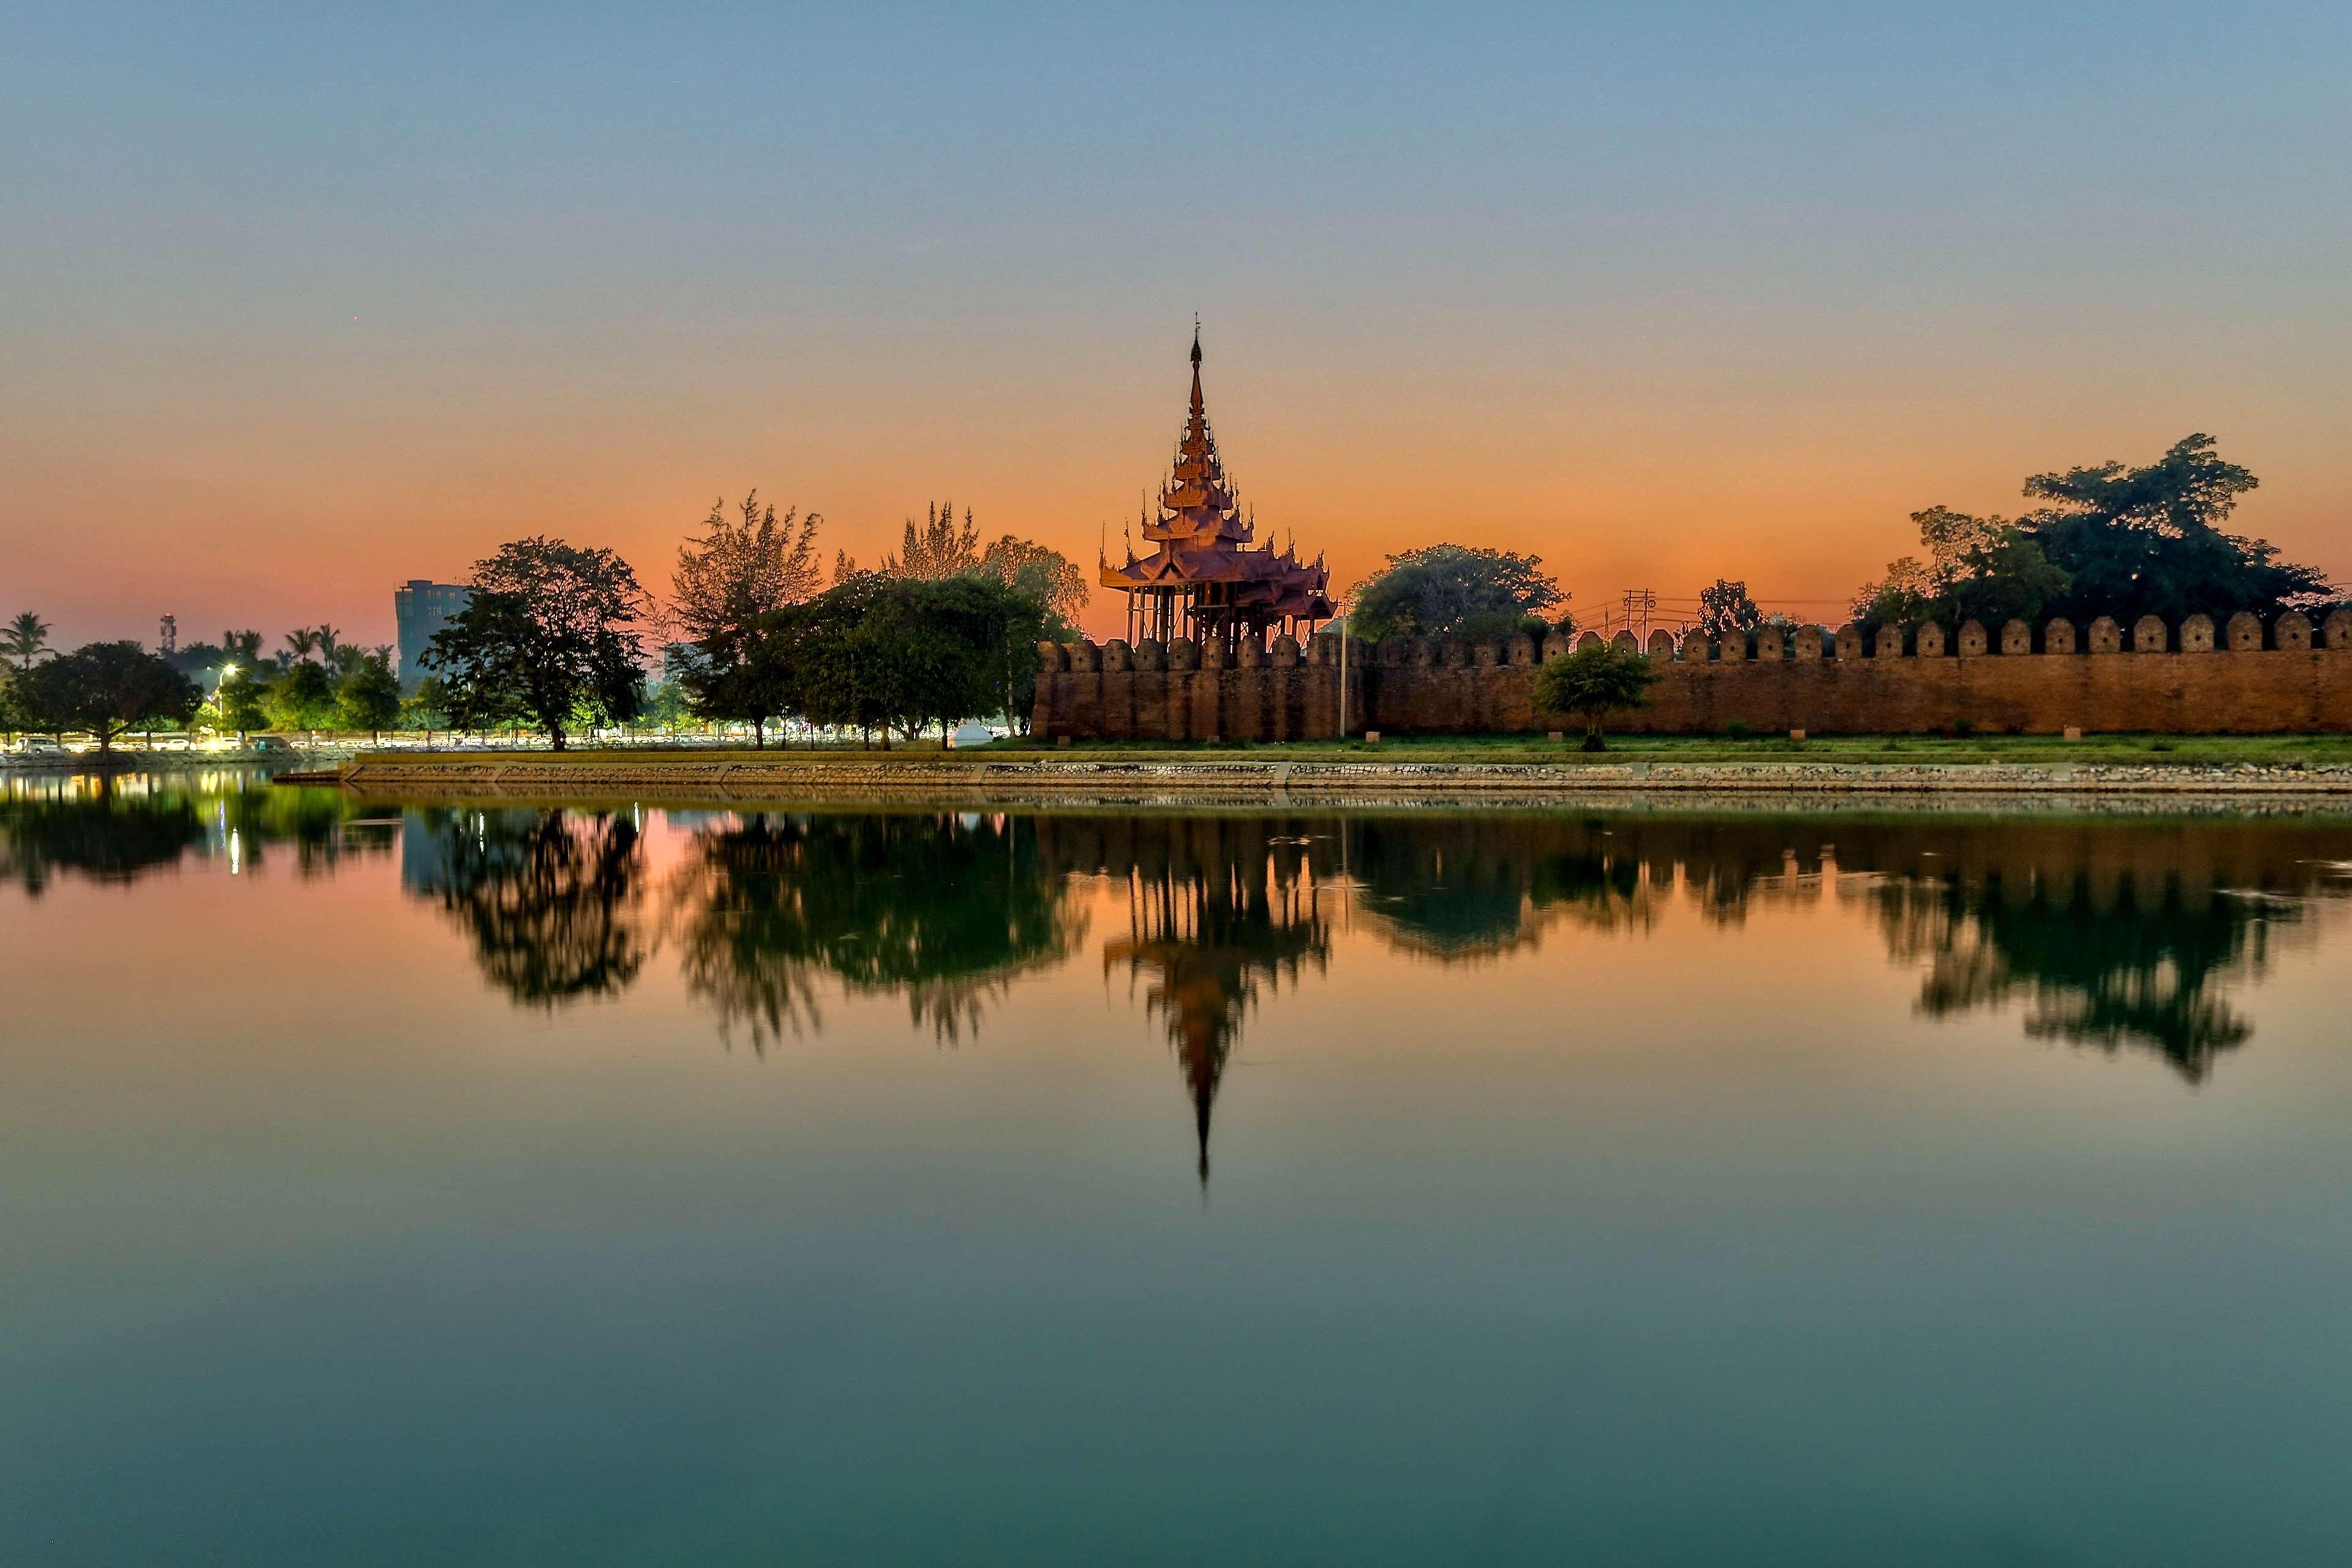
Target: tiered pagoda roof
x,y
1206,554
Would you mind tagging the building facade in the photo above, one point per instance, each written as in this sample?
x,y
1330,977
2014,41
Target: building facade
x,y
419,609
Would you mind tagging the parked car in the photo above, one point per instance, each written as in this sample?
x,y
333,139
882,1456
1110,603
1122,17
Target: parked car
x,y
39,746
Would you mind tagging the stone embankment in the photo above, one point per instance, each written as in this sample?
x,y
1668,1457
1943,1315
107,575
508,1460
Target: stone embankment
x,y
1240,779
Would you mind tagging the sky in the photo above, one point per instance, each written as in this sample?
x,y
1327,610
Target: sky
x,y
299,303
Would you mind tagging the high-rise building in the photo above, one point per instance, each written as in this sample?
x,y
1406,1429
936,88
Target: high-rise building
x,y
420,608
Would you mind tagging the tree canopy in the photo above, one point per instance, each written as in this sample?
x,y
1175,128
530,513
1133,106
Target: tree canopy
x,y
104,689
2112,540
1593,682
740,571
1986,569
1725,609
548,636
1454,590
936,548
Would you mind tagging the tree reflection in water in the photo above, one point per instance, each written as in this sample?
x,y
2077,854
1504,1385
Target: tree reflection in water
x,y
948,910
97,835
553,902
2134,967
117,829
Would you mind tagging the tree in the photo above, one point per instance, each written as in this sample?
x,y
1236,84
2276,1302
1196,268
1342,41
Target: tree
x,y
368,698
888,654
1985,569
937,549
427,708
1045,574
26,638
302,697
330,643
2150,540
242,700
1593,682
302,642
726,581
1453,590
1727,608
550,633
106,688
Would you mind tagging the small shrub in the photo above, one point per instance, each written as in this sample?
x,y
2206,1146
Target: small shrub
x,y
1737,730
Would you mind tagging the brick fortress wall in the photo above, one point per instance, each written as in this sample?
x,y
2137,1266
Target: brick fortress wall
x,y
2194,678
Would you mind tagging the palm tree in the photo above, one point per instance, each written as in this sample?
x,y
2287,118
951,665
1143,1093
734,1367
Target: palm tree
x,y
26,638
329,639
302,642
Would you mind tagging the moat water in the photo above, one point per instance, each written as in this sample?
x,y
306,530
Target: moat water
x,y
619,1185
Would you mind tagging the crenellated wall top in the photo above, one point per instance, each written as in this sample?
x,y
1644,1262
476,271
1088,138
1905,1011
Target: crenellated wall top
x,y
2244,632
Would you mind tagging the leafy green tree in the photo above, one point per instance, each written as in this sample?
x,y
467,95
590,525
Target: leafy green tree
x,y
1986,569
2150,540
26,639
898,657
1045,574
1592,683
104,689
551,631
1454,590
368,698
1725,608
300,697
738,570
241,701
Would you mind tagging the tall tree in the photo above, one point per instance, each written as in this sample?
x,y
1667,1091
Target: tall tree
x,y
1985,569
26,639
1453,590
368,696
302,643
740,570
936,548
2150,540
1727,608
550,632
104,689
302,697
1046,575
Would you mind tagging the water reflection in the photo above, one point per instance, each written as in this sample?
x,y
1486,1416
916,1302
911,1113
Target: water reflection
x,y
2142,968
2116,934
1216,907
946,911
553,902
118,828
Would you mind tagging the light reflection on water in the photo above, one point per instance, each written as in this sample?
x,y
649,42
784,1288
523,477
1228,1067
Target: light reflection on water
x,y
1662,1185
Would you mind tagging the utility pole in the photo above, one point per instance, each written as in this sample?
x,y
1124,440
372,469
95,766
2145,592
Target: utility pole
x,y
1345,619
1641,604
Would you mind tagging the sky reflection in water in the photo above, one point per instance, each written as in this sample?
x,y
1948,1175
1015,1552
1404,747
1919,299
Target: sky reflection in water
x,y
491,1182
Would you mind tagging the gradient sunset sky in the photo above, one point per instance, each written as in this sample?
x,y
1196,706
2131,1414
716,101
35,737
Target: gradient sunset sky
x,y
302,302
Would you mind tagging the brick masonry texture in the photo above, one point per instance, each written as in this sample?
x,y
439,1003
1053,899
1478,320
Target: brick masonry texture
x,y
2241,677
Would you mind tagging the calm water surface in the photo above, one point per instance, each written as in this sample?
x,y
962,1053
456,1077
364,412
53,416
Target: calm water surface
x,y
482,1183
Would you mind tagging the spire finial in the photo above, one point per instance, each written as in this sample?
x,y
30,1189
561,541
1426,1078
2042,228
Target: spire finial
x,y
1196,337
